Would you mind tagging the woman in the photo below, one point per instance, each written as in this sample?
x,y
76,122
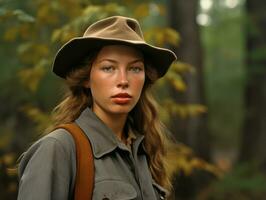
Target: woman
x,y
109,72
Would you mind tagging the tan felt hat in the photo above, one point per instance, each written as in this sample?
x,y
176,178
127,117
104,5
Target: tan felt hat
x,y
111,30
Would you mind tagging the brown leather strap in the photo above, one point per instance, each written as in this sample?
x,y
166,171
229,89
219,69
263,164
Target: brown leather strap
x,y
84,162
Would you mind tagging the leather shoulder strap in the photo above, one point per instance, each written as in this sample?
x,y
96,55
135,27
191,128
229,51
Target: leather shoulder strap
x,y
84,162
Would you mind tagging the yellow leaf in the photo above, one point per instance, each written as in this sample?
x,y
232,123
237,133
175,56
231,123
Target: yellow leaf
x,y
196,109
161,36
31,53
56,35
142,10
184,110
176,80
171,36
46,14
71,8
162,9
91,9
25,31
31,77
181,158
41,118
179,85
148,36
11,34
8,159
181,67
67,35
6,138
113,8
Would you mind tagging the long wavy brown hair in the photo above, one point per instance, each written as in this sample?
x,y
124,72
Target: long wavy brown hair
x,y
143,117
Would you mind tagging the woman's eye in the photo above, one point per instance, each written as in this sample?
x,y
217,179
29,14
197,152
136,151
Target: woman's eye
x,y
107,68
136,69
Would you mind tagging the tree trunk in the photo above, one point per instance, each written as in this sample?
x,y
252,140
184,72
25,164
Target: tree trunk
x,y
192,130
254,129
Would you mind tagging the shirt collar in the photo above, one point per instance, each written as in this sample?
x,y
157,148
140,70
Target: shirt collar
x,y
102,138
131,137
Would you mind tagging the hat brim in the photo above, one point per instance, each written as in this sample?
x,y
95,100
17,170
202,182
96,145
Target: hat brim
x,y
78,48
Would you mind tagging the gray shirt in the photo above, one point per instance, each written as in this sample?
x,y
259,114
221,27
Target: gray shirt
x,y
47,169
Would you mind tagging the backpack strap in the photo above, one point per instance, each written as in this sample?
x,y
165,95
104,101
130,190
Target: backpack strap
x,y
84,161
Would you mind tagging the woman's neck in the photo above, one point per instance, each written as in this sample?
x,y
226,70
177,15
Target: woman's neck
x,y
115,122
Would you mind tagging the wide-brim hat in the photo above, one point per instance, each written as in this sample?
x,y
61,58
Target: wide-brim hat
x,y
108,31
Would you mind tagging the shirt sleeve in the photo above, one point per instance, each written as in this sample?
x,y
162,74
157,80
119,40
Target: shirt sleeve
x,y
47,169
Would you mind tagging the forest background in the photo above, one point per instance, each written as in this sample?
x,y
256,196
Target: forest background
x,y
213,99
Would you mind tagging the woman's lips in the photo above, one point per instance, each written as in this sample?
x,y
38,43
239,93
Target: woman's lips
x,y
121,98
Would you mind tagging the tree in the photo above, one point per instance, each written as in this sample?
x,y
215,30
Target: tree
x,y
254,128
191,130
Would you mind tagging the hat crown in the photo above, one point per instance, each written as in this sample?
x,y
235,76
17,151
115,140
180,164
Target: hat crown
x,y
117,28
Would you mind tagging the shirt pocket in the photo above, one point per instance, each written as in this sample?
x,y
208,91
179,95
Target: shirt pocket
x,y
114,190
161,192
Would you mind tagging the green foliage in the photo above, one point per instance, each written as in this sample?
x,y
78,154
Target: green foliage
x,y
89,14
161,36
41,118
182,110
169,107
6,138
244,182
19,15
31,77
8,177
182,160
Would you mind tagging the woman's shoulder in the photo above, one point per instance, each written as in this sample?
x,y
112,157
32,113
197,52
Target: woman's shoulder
x,y
58,144
59,138
48,166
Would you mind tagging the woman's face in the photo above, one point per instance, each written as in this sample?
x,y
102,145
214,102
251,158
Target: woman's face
x,y
116,79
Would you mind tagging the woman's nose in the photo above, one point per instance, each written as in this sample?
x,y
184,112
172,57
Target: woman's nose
x,y
123,79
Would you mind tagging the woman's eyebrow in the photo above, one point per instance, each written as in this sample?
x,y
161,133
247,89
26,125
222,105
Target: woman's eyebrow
x,y
137,60
107,59
114,61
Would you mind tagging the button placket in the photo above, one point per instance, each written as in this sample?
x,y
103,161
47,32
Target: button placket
x,y
136,173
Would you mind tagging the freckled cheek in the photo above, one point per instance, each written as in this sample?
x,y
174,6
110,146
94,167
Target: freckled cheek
x,y
139,83
100,87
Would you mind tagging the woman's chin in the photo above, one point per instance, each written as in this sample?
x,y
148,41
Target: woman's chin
x,y
121,109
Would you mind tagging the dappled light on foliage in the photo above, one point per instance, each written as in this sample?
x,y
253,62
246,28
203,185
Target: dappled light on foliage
x,y
8,176
181,159
161,36
31,77
89,14
244,182
182,110
41,119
